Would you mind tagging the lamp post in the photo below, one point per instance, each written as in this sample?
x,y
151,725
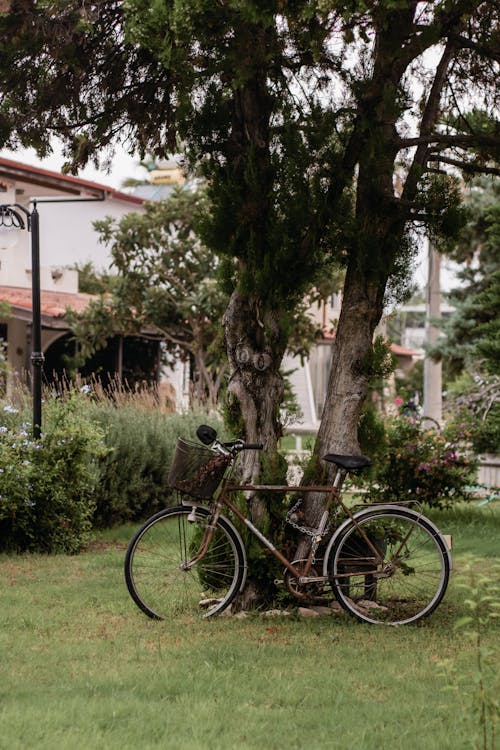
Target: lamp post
x,y
14,217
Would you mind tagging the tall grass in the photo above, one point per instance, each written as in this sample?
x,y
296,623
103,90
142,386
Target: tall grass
x,y
135,470
141,434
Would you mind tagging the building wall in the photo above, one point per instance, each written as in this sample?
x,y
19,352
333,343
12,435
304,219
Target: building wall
x,y
67,235
17,347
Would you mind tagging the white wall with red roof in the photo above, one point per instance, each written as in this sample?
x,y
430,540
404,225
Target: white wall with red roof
x,y
68,206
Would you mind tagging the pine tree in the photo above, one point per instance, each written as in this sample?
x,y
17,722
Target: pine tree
x,y
473,331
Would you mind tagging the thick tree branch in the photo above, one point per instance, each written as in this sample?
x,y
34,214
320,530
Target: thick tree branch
x,y
465,166
481,49
448,139
428,122
443,27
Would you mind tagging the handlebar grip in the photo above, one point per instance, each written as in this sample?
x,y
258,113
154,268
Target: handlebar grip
x,y
239,445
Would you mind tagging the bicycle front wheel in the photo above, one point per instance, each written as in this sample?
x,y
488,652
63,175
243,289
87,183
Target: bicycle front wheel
x,y
154,565
390,567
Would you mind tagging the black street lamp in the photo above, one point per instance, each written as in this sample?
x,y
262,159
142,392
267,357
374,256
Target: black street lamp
x,y
11,218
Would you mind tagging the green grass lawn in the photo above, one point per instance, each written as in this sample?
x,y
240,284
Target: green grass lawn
x,y
82,668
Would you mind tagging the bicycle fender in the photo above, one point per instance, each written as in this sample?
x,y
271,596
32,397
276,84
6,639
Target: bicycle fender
x,y
386,507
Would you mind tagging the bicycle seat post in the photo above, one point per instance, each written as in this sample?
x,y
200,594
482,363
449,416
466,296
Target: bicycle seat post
x,y
333,496
340,476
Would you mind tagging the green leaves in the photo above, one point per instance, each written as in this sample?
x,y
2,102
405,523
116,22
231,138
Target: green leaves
x,y
478,687
47,487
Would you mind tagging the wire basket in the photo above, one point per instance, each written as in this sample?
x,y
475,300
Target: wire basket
x,y
196,470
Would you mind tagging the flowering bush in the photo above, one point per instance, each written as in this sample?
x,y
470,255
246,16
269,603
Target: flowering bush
x,y
428,465
47,487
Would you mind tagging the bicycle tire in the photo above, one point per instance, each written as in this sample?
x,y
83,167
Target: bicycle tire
x,y
411,581
153,565
429,423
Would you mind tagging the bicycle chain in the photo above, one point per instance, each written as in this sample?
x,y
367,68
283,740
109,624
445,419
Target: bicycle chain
x,y
304,529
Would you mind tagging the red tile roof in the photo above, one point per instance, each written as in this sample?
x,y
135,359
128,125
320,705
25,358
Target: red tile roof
x,y
57,181
53,307
402,351
52,303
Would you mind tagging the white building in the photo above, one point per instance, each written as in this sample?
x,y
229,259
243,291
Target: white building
x,y
67,206
309,379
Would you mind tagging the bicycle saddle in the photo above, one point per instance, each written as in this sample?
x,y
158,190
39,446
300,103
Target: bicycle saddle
x,y
348,462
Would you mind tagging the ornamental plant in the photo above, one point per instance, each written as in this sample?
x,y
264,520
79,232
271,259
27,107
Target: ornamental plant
x,y
431,466
134,471
47,486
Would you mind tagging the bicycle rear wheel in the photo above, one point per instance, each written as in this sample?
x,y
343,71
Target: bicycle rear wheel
x,y
154,572
404,582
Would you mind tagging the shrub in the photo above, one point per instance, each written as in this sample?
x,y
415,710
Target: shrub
x,y
100,462
134,470
486,434
430,466
477,397
47,487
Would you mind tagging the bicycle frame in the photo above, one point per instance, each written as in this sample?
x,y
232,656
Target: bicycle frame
x,y
347,552
333,496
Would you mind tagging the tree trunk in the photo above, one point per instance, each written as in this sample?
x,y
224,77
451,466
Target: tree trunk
x,y
255,350
349,378
347,389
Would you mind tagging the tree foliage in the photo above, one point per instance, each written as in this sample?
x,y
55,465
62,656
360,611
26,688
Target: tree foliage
x,y
472,335
166,281
302,118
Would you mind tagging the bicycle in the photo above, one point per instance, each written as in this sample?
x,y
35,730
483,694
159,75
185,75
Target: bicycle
x,y
413,411
385,564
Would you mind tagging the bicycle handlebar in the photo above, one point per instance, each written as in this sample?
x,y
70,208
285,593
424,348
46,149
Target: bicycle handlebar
x,y
208,436
239,445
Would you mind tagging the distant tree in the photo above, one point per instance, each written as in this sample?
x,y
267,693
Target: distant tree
x,y
166,278
488,344
91,280
472,334
470,346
